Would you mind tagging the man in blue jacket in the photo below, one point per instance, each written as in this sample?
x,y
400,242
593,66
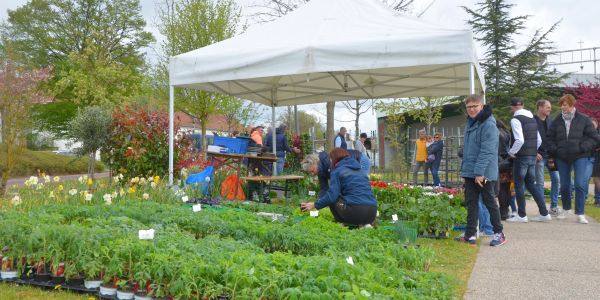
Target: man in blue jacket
x,y
282,146
479,168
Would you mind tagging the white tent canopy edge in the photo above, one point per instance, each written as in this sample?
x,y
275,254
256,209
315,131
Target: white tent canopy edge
x,y
330,50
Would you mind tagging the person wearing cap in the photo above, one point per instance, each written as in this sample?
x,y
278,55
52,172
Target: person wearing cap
x,y
572,140
544,108
526,141
359,145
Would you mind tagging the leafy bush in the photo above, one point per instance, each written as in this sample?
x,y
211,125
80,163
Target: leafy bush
x,y
139,143
29,162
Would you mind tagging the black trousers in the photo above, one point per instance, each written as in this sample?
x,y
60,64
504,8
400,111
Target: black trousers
x,y
353,214
472,193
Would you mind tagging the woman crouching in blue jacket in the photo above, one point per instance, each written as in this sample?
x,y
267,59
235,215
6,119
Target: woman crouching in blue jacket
x,y
350,196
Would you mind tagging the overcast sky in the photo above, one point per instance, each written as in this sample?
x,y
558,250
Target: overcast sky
x,y
578,23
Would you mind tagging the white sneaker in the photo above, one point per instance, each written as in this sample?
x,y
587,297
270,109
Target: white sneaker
x,y
563,214
581,219
513,214
517,219
541,218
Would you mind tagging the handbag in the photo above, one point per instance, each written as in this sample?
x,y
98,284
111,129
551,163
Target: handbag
x,y
505,165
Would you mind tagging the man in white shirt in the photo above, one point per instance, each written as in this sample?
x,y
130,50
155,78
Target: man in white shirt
x,y
527,140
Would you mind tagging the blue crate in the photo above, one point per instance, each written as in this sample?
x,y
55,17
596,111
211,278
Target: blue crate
x,y
234,145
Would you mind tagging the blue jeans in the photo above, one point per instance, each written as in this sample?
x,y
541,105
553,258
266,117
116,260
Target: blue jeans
x,y
280,163
434,173
485,224
583,172
554,177
524,176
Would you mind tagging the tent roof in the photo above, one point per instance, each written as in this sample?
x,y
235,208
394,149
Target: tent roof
x,y
331,50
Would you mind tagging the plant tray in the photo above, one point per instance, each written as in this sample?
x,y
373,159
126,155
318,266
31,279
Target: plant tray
x,y
51,286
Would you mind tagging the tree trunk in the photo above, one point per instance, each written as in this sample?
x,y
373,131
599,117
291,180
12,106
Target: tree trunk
x,y
330,131
92,165
357,117
296,121
204,139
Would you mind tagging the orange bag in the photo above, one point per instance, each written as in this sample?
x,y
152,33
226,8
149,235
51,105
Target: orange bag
x,y
228,189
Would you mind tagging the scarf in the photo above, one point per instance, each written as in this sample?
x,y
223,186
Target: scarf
x,y
568,117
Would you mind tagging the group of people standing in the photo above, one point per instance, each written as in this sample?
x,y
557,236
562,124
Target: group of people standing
x,y
428,156
494,159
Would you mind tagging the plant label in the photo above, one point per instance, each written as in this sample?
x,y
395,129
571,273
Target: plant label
x,y
350,260
394,217
314,213
197,207
146,234
378,213
311,193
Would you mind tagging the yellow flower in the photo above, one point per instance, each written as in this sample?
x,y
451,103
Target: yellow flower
x,y
121,192
102,185
90,181
131,190
156,179
51,194
56,179
60,187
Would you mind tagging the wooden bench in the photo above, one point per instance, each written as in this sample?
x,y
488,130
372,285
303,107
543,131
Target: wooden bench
x,y
269,180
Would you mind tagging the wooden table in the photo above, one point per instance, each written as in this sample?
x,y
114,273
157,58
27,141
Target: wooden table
x,y
234,161
269,180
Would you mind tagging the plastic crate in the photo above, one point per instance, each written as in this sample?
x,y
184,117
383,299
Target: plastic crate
x,y
234,145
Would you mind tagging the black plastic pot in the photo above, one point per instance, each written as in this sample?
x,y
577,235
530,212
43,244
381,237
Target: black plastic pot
x,y
42,277
76,281
58,279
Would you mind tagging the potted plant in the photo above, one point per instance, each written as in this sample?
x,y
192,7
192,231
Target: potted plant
x,y
124,290
8,271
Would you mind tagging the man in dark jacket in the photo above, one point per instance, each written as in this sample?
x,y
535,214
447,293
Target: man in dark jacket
x,y
320,165
340,139
479,168
282,146
435,151
544,108
527,140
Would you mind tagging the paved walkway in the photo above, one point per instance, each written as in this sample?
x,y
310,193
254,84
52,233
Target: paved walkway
x,y
21,181
559,259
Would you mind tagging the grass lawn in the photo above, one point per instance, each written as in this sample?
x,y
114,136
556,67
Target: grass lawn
x,y
593,212
453,258
21,292
29,162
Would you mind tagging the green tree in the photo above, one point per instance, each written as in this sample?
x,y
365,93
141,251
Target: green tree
x,y
306,121
511,71
91,126
99,40
395,132
188,25
239,113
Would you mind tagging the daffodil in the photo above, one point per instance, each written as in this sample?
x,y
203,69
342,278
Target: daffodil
x,y
60,187
156,179
46,179
51,194
16,200
131,190
107,197
73,192
153,184
121,192
88,197
114,194
146,196
56,179
143,181
80,179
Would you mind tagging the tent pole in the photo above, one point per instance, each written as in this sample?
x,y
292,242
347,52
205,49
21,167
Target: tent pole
x,y
273,130
171,131
471,79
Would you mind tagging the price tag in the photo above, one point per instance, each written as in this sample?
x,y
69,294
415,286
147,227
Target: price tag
x,y
349,260
314,213
196,207
394,217
146,234
184,198
311,193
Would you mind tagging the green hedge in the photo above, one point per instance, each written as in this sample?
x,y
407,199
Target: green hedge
x,y
29,162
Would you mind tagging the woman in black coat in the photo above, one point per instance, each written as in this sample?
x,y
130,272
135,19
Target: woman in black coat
x,y
504,170
572,140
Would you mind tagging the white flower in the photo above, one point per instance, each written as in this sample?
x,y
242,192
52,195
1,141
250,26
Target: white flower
x,y
39,186
207,179
121,192
51,194
143,181
120,175
116,179
184,198
16,200
33,180
56,179
153,184
451,196
46,179
80,179
107,197
135,179
114,194
146,196
428,188
72,192
88,197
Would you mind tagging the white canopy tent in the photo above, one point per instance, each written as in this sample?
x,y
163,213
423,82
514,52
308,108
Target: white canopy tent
x,y
330,50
